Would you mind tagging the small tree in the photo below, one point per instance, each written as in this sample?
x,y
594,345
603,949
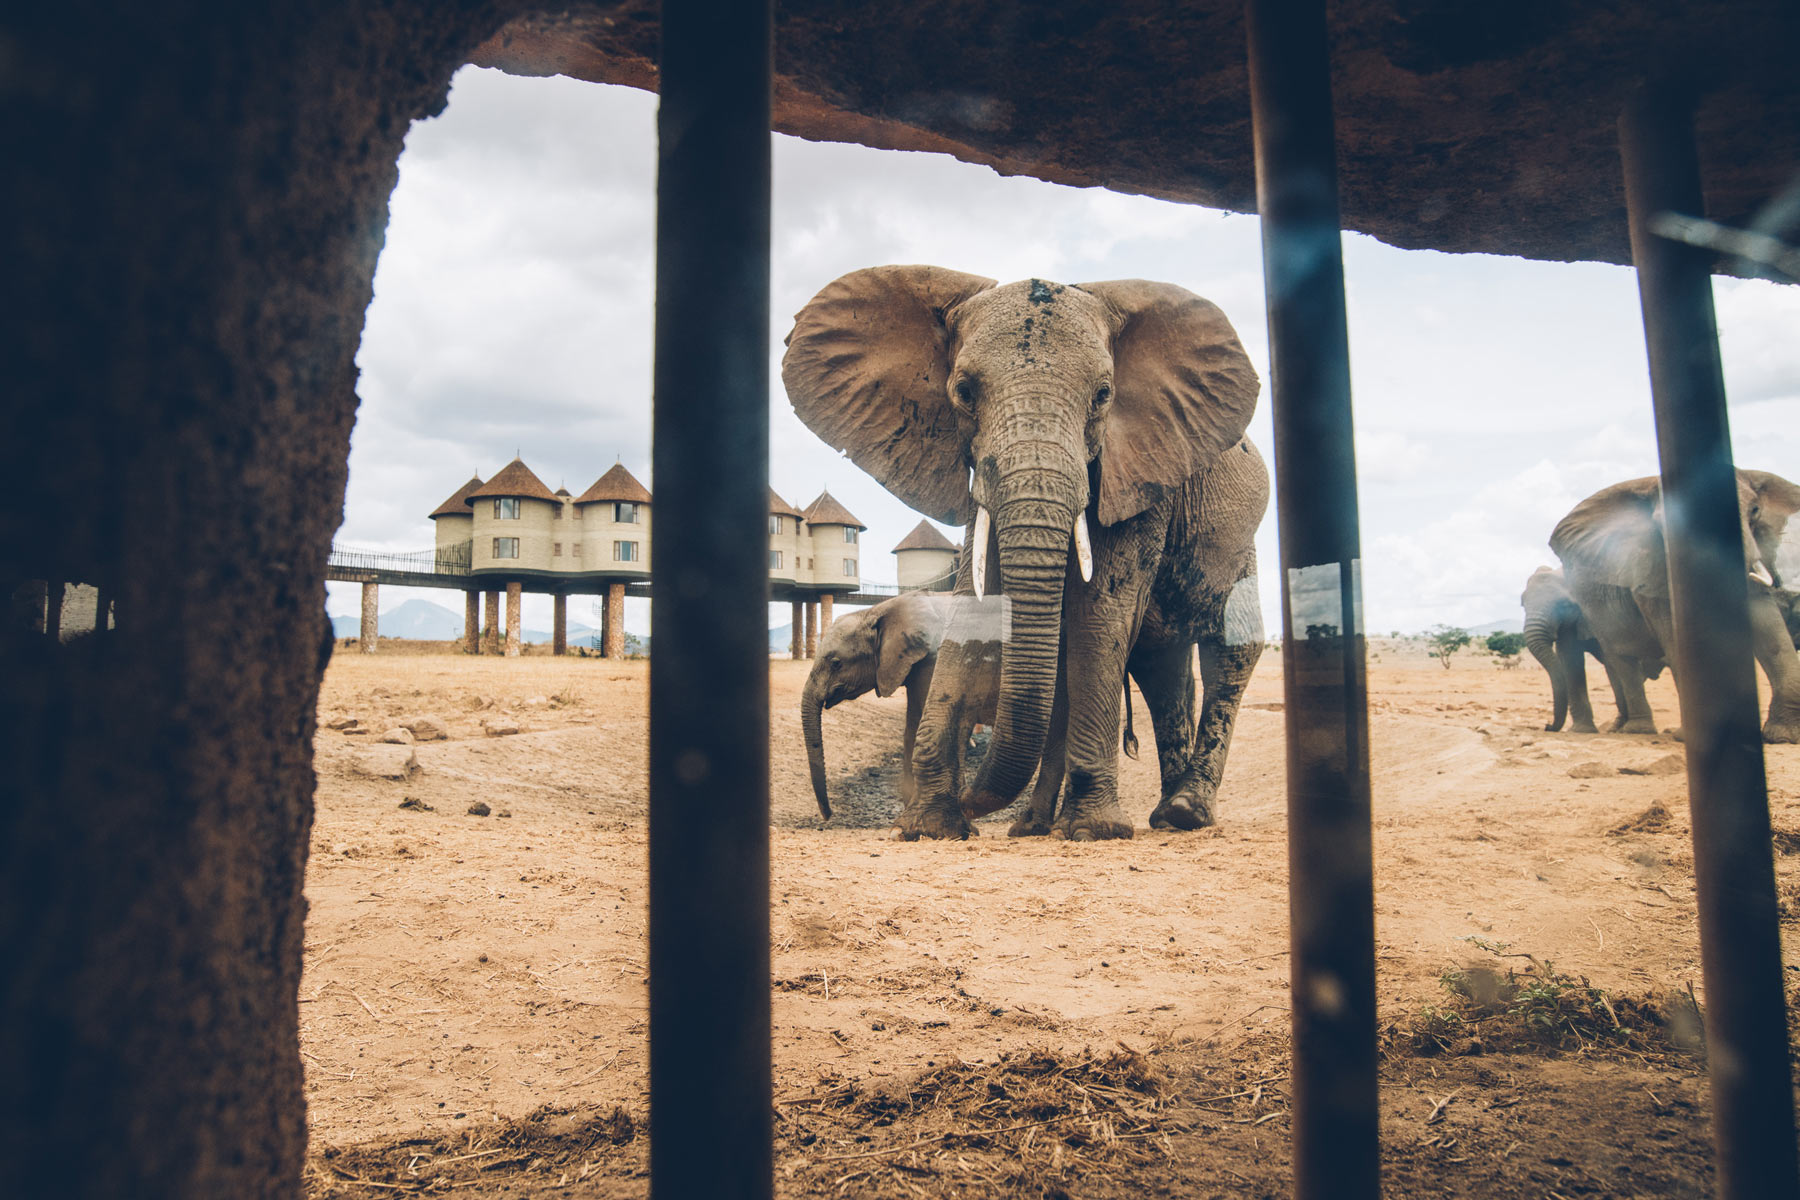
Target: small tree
x,y
1507,647
1445,641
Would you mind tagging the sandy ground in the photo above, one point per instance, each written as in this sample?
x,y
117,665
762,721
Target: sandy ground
x,y
464,971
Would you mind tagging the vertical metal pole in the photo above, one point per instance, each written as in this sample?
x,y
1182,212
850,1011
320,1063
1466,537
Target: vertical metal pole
x,y
709,678
1740,946
1331,877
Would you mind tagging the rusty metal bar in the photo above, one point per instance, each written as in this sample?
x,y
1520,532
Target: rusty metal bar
x,y
710,1095
1740,946
1330,872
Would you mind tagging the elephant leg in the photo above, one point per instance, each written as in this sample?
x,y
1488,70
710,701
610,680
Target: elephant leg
x,y
1038,818
1165,675
1775,651
935,810
1634,715
1190,801
1101,629
918,687
1573,663
1618,689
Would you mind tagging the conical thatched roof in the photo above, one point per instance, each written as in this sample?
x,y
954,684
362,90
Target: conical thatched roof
x,y
925,536
778,505
616,485
827,511
458,503
515,479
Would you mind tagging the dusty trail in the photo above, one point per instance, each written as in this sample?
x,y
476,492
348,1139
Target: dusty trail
x,y
463,969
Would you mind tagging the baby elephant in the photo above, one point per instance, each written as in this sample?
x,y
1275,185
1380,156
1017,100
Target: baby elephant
x,y
881,648
1559,638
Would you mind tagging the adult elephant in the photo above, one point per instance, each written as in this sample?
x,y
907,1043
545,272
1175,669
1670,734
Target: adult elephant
x,y
1559,638
1611,546
1091,438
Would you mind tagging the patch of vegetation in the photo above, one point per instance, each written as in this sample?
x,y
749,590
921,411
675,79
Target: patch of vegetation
x,y
1536,1007
1446,640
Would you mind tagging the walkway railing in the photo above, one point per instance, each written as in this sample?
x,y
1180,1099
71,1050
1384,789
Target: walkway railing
x,y
444,560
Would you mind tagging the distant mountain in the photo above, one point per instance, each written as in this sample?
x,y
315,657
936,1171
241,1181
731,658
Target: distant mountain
x,y
781,639
421,620
1504,625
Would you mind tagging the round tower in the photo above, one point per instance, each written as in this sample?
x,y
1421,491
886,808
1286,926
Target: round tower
x,y
925,559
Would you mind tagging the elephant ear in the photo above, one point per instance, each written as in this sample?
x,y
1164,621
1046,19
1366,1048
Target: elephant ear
x,y
1183,392
1614,537
866,369
1776,499
903,636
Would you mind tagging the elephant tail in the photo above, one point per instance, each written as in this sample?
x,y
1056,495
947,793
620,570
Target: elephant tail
x,y
1131,742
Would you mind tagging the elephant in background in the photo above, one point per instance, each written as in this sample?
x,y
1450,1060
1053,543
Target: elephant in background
x,y
1613,556
1090,438
1559,638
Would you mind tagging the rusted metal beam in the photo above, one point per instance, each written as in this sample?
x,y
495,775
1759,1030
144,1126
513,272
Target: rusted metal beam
x,y
709,678
1740,945
1331,877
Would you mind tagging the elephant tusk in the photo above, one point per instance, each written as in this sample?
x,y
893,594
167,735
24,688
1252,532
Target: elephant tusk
x,y
1760,573
1084,549
981,541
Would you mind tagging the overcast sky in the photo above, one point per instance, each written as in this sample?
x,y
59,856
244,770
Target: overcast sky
x,y
513,312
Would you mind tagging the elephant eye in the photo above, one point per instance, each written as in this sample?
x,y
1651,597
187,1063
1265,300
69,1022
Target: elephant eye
x,y
965,393
1103,395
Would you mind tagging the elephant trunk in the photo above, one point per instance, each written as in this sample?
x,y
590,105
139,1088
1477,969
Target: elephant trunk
x,y
1033,537
1540,639
812,702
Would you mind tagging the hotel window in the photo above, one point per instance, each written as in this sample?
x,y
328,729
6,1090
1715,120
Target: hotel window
x,y
850,568
555,549
849,535
625,551
506,508
774,560
625,512
775,523
556,513
506,547
575,550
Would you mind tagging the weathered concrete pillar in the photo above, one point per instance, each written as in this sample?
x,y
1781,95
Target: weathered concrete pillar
x,y
471,622
559,635
513,591
54,595
490,632
812,628
797,632
371,617
825,612
612,631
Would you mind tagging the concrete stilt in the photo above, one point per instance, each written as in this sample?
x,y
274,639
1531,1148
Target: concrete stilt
x,y
612,635
490,633
53,609
371,617
471,622
559,636
825,612
812,628
513,591
798,639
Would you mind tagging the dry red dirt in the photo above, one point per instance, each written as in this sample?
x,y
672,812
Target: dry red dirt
x,y
473,1008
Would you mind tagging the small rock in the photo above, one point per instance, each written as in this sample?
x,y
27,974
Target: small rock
x,y
341,722
398,737
481,702
1668,764
1590,770
500,728
416,805
505,812
479,809
537,702
385,762
425,729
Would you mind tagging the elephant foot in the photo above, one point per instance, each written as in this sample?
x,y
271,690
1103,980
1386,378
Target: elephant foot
x,y
1579,727
1185,811
1029,825
1635,725
1782,732
940,820
981,803
1101,823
